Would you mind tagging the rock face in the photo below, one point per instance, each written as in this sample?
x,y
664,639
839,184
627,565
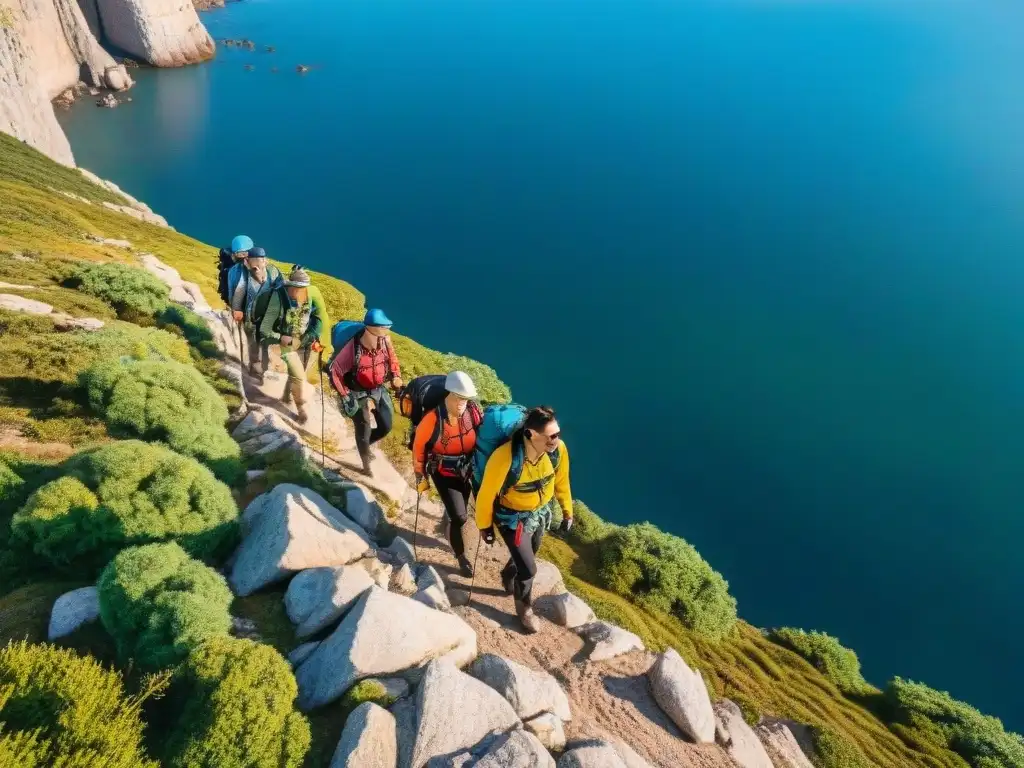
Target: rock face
x,y
165,33
290,529
548,730
72,610
383,634
609,640
302,653
530,693
320,596
782,746
453,712
518,749
682,694
548,580
596,754
738,738
364,509
369,739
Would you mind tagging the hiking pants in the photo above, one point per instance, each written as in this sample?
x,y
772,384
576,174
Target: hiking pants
x,y
454,492
367,435
523,563
256,351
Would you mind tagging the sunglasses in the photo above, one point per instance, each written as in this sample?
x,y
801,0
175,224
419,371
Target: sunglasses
x,y
552,438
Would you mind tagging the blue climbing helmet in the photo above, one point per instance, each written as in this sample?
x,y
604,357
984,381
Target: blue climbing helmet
x,y
241,243
257,253
375,318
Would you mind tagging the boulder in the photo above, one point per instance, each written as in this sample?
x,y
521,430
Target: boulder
x,y
738,738
530,693
290,529
303,652
401,550
364,509
517,749
402,581
433,597
548,730
781,745
165,33
595,754
73,609
427,577
683,695
117,78
458,596
548,580
379,572
369,739
627,755
453,712
383,634
565,609
609,640
320,596
13,303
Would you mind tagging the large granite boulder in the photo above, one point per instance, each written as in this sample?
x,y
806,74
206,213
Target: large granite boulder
x,y
369,739
548,580
549,731
530,693
452,713
291,529
781,745
565,610
320,596
164,33
383,634
364,509
516,749
608,640
601,754
683,695
72,610
738,738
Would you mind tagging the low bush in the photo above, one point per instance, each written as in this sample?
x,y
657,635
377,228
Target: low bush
x,y
159,604
980,739
167,401
663,572
179,319
131,291
833,751
364,691
122,494
587,527
236,700
838,663
60,709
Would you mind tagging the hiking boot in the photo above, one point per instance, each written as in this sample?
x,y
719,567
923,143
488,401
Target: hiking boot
x,y
465,567
529,620
367,469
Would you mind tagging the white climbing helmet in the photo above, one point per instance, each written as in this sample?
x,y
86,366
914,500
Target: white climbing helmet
x,y
459,383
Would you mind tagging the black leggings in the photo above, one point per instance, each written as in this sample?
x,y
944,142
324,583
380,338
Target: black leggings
x,y
454,492
523,563
365,435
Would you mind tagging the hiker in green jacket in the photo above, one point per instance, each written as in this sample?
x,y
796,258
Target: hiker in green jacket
x,y
256,281
293,322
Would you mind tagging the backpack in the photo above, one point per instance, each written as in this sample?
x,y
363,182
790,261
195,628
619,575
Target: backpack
x,y
225,261
500,424
423,395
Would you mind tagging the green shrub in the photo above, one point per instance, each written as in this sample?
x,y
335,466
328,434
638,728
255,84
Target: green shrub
x,y
168,401
125,340
131,291
663,572
237,709
123,494
159,604
838,663
57,708
183,320
587,527
833,751
364,691
980,739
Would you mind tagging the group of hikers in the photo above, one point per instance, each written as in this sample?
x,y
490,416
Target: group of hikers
x,y
511,459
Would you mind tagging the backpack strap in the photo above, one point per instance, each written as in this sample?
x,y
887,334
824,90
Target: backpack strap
x,y
515,469
282,296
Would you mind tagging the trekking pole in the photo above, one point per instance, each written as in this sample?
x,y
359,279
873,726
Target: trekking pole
x,y
323,416
241,347
476,557
416,527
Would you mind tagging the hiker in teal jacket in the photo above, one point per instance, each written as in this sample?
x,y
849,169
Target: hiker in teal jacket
x,y
293,321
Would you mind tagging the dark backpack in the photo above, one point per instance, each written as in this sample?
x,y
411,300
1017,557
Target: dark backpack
x,y
259,307
423,395
225,261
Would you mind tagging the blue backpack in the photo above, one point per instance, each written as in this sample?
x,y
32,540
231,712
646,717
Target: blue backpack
x,y
500,424
343,332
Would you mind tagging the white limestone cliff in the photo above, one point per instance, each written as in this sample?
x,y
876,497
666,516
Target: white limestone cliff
x,y
165,33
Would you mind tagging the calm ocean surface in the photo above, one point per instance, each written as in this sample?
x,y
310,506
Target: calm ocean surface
x,y
766,258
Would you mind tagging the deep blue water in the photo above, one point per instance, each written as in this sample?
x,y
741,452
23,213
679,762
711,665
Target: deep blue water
x,y
766,259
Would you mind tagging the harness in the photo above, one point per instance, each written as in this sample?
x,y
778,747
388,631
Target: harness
x,y
357,354
461,464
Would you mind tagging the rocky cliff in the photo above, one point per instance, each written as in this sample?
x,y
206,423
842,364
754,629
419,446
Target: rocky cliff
x,y
166,33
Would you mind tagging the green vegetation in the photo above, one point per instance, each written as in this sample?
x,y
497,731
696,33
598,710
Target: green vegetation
x,y
287,466
159,604
237,710
827,654
133,292
946,723
183,320
833,751
364,691
664,573
167,401
123,494
587,527
60,709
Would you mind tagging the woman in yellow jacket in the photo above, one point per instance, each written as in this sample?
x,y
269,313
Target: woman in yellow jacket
x,y
520,480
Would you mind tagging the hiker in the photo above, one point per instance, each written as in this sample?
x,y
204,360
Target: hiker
x,y
227,258
443,451
251,284
520,479
293,322
359,371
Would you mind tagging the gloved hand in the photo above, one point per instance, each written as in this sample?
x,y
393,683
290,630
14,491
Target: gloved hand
x,y
487,534
237,316
422,484
566,525
317,347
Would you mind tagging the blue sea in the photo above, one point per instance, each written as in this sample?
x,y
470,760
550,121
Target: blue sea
x,y
766,258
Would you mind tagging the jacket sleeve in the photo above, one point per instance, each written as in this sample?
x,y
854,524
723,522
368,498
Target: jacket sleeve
x,y
419,445
395,368
562,490
236,286
267,326
495,473
321,307
342,364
